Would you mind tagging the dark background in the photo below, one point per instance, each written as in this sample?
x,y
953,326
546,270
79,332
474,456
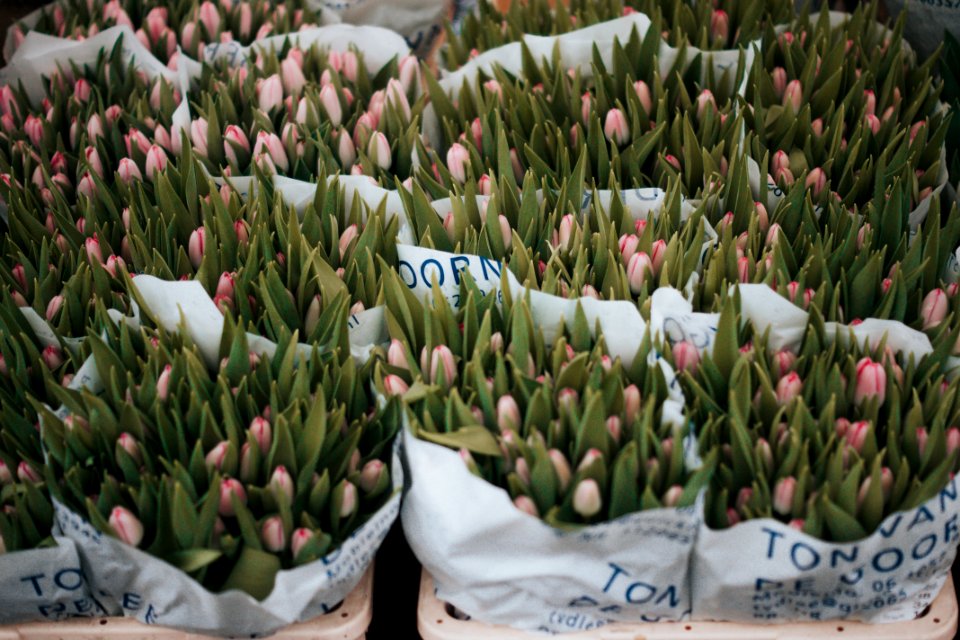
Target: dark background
x,y
397,577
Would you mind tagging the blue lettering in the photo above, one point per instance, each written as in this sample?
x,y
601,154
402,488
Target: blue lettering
x,y
949,491
672,595
413,274
423,272
814,556
853,577
650,591
917,554
494,267
838,554
455,263
616,571
773,536
35,581
763,583
131,601
887,532
950,531
923,515
897,560
58,578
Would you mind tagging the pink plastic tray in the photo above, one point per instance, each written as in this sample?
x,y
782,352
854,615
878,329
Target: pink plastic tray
x,y
436,622
349,621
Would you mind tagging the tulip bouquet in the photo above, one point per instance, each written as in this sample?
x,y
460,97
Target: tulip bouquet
x,y
827,438
833,116
294,111
525,411
637,127
77,154
163,27
231,476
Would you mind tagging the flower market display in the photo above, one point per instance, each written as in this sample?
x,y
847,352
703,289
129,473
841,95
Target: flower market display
x,y
629,292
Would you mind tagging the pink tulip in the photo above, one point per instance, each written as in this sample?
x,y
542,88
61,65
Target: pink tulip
x,y
780,165
272,534
783,494
33,127
779,78
234,140
198,136
508,413
378,148
291,75
631,403
53,307
686,357
163,383
869,102
458,161
793,96
705,101
440,359
934,308
216,457
616,128
586,498
638,270
299,539
128,171
281,483
408,70
788,388
628,245
720,26
586,108
230,487
871,382
394,385
349,504
396,97
526,505
345,149
330,102
92,247
261,432
126,526
644,96
245,19
872,123
816,181
270,94
269,144
197,246
856,435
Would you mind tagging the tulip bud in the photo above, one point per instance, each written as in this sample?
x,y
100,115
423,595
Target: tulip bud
x,y
230,487
779,78
53,307
686,357
270,94
705,102
788,388
198,136
720,27
672,496
261,432
631,403
644,96
526,505
458,162
869,102
394,385
783,495
637,270
616,128
441,358
793,96
378,148
163,383
330,102
586,498
816,181
349,504
780,165
27,473
934,308
299,539
561,467
871,382
281,484
126,526
856,435
52,357
128,171
215,458
272,534
658,253
872,123
5,476
508,413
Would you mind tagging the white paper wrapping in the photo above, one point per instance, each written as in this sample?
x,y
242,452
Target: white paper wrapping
x,y
418,21
763,571
45,585
503,566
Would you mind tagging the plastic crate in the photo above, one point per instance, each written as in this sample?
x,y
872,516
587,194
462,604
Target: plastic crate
x,y
349,621
436,621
